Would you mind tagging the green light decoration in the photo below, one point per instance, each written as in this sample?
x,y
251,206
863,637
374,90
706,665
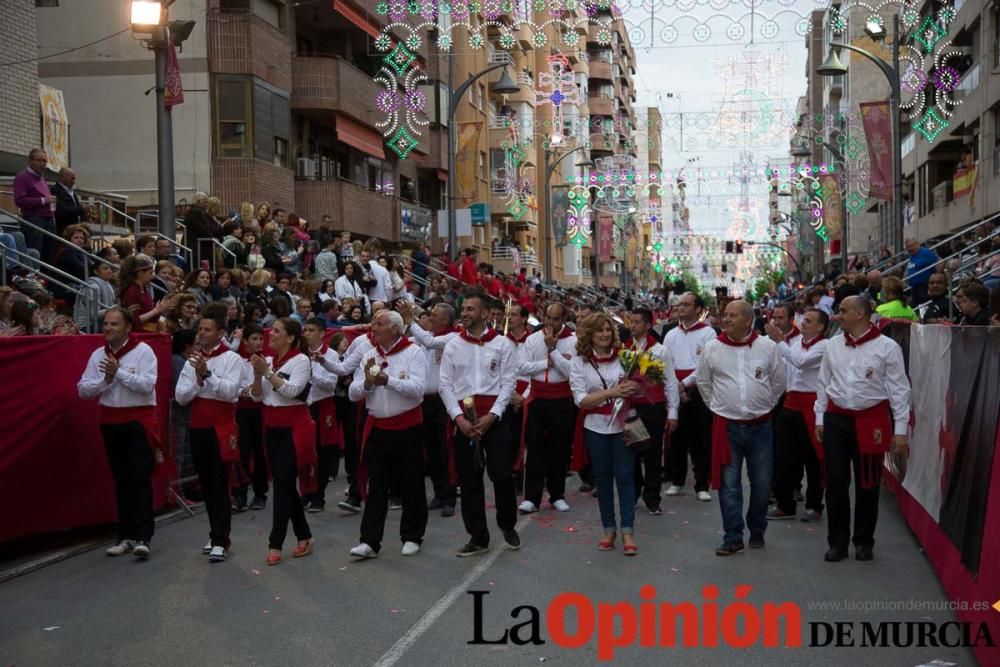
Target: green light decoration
x,y
399,60
929,33
854,148
658,268
402,143
855,203
931,125
383,43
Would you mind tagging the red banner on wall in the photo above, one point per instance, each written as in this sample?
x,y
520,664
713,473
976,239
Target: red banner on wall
x,y
878,132
53,470
605,238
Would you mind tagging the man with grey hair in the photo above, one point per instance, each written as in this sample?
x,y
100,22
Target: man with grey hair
x,y
391,379
69,209
435,416
741,377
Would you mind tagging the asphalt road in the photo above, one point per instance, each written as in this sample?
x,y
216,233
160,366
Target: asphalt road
x,y
326,609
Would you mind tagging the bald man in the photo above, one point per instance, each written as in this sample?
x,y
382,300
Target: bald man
x,y
741,377
69,209
862,399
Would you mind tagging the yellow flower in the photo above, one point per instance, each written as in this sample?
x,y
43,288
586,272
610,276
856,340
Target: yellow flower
x,y
644,362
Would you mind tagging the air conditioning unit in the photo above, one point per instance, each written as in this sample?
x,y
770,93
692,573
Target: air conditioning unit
x,y
305,168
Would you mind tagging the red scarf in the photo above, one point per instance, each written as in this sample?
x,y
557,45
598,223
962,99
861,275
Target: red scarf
x,y
488,335
792,334
650,342
322,349
219,350
871,334
723,338
130,344
519,339
400,345
564,333
807,344
288,356
597,359
243,351
445,332
694,327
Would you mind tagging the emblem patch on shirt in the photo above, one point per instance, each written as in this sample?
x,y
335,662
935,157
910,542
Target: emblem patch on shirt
x,y
439,355
329,421
232,442
697,351
758,374
402,375
870,373
494,365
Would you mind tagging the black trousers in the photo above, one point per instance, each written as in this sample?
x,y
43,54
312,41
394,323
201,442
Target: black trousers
x,y
793,448
345,415
436,450
648,482
214,478
327,460
287,503
131,461
515,423
693,436
840,443
352,447
251,426
549,441
495,445
393,458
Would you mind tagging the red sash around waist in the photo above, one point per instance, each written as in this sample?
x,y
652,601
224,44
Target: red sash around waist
x,y
409,419
330,433
549,390
721,452
220,416
297,418
874,431
682,373
520,386
804,402
580,457
146,416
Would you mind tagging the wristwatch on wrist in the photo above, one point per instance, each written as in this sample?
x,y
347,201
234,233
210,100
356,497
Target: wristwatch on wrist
x,y
268,375
207,375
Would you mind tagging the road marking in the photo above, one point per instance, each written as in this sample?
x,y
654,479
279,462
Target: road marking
x,y
403,644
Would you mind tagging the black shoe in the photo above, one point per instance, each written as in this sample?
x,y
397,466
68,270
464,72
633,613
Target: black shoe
x,y
593,494
756,541
447,510
471,549
586,488
798,496
316,506
654,510
435,504
834,555
259,503
306,500
728,548
863,553
352,505
395,503
512,539
240,501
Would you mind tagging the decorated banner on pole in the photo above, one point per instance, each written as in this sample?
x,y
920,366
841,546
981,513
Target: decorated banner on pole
x,y
55,127
560,212
465,159
605,238
875,116
173,89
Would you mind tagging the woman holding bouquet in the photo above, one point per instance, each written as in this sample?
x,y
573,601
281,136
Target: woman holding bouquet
x,y
597,380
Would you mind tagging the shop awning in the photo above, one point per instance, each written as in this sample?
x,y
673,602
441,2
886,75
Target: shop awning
x,y
356,16
358,136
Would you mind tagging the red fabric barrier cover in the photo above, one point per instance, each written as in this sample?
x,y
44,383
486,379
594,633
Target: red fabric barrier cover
x,y
53,470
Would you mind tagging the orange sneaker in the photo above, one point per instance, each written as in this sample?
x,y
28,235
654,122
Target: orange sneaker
x,y
303,549
273,558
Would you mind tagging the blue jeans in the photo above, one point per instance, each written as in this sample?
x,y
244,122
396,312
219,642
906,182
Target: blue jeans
x,y
754,445
613,464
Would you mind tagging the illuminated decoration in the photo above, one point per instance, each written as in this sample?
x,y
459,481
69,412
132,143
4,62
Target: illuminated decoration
x,y
403,119
931,125
913,80
557,87
946,79
929,33
751,81
578,217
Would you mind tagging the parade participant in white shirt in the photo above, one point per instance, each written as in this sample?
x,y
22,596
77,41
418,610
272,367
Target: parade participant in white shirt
x,y
598,379
684,345
795,425
861,377
323,409
657,408
281,383
211,382
380,283
549,427
249,422
518,332
436,421
391,379
741,377
478,367
122,375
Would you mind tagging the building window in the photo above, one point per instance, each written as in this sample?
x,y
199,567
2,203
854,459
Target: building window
x,y
46,3
251,121
271,124
272,11
482,96
482,165
232,101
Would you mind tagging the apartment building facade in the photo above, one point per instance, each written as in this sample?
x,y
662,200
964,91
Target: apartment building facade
x,y
20,128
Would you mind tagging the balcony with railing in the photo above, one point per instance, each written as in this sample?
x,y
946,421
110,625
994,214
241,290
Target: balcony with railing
x,y
969,81
353,207
330,83
908,144
242,43
600,70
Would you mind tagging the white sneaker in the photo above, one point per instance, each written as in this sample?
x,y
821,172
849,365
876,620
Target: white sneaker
x,y
673,490
363,551
141,550
527,507
704,496
122,548
207,549
409,549
561,505
217,555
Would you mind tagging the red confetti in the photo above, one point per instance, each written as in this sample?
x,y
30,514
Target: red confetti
x,y
569,529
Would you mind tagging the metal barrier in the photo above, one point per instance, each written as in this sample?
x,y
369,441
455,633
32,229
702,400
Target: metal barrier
x,y
216,245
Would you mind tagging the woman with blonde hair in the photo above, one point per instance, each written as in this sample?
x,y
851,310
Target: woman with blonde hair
x,y
597,379
257,288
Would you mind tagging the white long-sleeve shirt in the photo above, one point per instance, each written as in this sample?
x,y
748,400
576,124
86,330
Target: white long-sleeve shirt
x,y
471,369
224,384
856,378
685,347
670,391
345,289
801,363
535,358
382,288
741,382
352,358
323,382
406,370
585,379
134,385
296,373
433,347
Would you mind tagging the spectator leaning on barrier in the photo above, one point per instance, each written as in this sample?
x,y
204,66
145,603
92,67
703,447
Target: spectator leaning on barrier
x,y
973,300
918,269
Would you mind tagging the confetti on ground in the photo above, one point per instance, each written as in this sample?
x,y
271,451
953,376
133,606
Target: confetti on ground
x,y
264,611
569,529
343,568
396,611
674,569
277,597
256,571
51,628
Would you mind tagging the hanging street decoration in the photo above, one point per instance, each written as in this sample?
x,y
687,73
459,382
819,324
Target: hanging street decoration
x,y
557,87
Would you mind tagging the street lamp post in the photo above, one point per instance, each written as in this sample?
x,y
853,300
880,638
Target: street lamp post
x,y
550,169
833,67
505,86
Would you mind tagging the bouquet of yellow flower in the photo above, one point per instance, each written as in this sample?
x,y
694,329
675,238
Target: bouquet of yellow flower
x,y
646,366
